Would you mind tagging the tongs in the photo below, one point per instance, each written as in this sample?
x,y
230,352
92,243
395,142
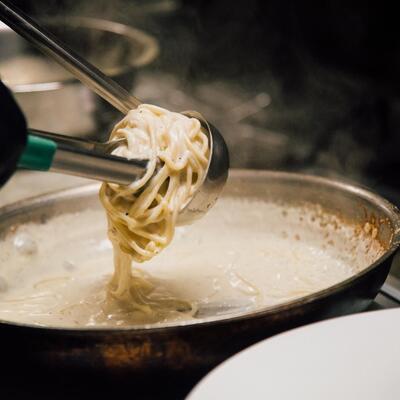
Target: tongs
x,y
89,160
53,152
47,151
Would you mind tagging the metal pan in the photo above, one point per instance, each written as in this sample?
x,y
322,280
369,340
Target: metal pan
x,y
197,347
50,96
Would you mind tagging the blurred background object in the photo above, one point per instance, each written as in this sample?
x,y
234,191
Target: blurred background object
x,y
292,84
50,96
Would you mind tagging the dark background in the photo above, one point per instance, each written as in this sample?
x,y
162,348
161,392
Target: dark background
x,y
328,69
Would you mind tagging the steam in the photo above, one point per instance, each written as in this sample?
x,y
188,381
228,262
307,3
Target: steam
x,y
275,105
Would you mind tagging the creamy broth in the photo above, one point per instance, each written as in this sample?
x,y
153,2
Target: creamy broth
x,y
243,255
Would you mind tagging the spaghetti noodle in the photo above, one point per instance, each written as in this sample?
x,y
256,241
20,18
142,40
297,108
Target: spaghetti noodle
x,y
142,216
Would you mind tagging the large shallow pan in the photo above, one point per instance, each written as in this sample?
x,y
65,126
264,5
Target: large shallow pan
x,y
195,348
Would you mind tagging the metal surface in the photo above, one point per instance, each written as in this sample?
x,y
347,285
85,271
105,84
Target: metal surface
x,y
87,73
216,175
79,143
93,160
50,97
391,288
199,346
98,166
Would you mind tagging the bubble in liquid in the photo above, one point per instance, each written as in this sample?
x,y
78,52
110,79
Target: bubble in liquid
x,y
3,285
25,244
103,245
68,265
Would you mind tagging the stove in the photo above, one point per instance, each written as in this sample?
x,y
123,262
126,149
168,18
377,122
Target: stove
x,y
389,295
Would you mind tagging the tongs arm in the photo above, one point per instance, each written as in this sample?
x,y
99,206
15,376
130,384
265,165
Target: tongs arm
x,y
53,152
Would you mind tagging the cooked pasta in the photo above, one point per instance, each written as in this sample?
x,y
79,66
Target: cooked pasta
x,y
142,216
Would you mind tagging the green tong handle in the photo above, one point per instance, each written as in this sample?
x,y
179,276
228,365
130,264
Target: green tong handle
x,y
38,154
45,151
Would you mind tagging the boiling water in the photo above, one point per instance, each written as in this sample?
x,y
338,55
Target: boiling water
x,y
243,255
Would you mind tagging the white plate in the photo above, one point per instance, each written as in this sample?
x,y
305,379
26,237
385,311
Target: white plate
x,y
354,357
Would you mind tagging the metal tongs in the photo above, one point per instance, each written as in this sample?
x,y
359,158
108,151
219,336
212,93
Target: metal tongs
x,y
47,151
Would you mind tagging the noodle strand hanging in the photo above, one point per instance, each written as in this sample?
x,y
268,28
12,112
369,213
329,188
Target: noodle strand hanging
x,y
142,216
